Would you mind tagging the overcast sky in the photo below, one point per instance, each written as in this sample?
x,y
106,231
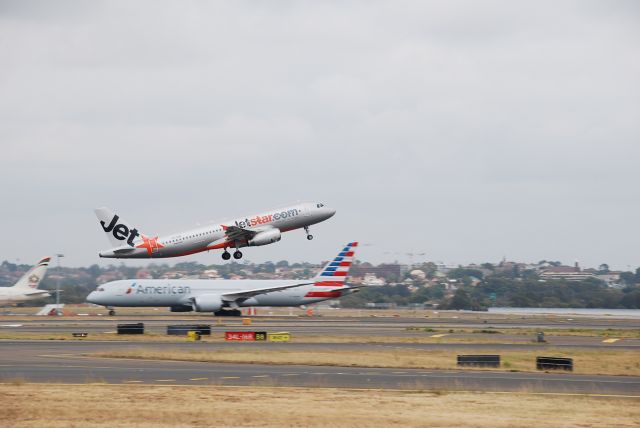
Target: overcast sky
x,y
466,130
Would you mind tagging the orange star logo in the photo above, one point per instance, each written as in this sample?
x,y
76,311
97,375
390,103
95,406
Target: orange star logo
x,y
151,244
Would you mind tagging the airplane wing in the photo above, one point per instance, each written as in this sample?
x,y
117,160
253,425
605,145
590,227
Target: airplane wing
x,y
37,292
246,294
235,233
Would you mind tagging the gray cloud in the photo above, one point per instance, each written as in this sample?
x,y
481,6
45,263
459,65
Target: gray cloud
x,y
468,130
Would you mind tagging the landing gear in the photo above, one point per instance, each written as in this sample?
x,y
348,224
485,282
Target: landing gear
x,y
237,254
226,255
112,312
309,236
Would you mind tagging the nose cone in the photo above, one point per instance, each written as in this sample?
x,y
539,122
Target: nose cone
x,y
328,212
93,297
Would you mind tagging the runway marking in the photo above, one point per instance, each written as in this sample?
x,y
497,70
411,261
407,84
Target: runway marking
x,y
291,374
610,340
438,335
398,372
264,375
165,380
133,381
230,377
80,357
199,378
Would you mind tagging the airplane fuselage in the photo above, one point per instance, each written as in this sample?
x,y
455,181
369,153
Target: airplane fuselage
x,y
12,297
213,236
160,292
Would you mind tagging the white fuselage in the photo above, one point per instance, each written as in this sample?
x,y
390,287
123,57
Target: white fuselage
x,y
11,296
213,236
161,292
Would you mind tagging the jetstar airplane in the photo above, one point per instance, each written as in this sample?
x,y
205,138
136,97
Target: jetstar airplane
x,y
225,297
261,229
27,286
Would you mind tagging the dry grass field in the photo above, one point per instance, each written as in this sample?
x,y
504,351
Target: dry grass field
x,y
586,361
51,405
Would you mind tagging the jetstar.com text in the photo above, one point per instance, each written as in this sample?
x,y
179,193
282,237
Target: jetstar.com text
x,y
258,220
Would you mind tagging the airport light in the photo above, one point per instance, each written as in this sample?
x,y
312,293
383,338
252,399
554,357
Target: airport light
x,y
58,256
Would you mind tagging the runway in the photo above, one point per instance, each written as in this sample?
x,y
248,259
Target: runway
x,y
39,361
373,325
401,328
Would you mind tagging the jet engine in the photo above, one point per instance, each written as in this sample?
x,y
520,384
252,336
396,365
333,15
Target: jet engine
x,y
265,237
206,303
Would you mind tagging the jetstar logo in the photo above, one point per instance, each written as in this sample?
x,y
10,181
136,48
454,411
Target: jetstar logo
x,y
151,244
120,231
264,219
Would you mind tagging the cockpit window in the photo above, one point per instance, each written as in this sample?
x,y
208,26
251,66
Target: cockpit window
x,y
319,205
100,289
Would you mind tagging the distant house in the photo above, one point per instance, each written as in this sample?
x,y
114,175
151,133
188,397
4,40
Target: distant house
x,y
568,273
372,280
612,279
210,274
144,274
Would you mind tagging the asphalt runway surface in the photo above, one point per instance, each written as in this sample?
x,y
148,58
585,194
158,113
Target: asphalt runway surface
x,y
71,362
379,325
401,328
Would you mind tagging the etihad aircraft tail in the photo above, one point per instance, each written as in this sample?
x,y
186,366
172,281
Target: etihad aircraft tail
x,y
31,279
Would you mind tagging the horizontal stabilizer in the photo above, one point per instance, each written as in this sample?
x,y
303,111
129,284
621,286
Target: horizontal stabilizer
x,y
124,250
37,293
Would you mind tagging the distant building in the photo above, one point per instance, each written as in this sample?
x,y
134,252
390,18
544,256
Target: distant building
x,y
418,274
568,273
143,274
612,279
386,271
372,280
210,274
175,274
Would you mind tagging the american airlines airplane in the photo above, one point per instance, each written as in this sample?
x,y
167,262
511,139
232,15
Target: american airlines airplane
x,y
225,297
27,286
261,229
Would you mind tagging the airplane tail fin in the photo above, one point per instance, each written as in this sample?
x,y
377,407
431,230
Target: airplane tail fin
x,y
334,273
32,278
118,231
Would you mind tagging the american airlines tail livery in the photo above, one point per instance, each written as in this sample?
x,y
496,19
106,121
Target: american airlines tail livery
x,y
256,230
222,296
27,286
